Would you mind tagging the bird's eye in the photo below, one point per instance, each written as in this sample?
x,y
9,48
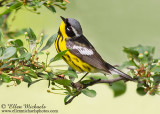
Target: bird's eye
x,y
69,31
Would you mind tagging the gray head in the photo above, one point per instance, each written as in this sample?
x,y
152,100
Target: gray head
x,y
73,27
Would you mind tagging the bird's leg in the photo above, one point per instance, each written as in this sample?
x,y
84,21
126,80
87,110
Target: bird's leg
x,y
83,77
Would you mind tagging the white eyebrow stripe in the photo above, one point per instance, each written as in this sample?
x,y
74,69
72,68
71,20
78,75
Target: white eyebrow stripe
x,y
74,30
83,50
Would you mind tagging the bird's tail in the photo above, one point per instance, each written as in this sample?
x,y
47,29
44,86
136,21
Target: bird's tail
x,y
113,70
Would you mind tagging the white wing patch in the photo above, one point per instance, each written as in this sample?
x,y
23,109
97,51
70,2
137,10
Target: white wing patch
x,y
83,50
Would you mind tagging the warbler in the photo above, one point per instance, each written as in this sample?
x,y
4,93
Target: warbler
x,y
81,55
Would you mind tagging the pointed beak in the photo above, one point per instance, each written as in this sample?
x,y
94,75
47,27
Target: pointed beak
x,y
64,19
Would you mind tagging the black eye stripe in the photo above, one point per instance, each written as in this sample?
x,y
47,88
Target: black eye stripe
x,y
69,31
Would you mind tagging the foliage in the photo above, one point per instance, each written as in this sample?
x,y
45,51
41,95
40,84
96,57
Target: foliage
x,y
144,67
19,63
13,6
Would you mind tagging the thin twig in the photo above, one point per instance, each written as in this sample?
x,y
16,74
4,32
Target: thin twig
x,y
95,81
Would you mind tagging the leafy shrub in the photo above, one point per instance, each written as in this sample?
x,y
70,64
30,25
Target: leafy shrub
x,y
19,63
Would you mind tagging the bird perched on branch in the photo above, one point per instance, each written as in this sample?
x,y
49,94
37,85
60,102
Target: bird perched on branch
x,y
81,55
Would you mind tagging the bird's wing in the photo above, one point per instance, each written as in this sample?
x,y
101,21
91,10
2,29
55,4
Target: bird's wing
x,y
83,49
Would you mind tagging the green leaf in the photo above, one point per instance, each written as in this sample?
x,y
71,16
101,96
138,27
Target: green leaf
x,y
31,72
40,53
13,59
58,56
130,51
18,43
60,6
20,32
53,83
155,69
89,93
15,6
126,64
27,79
1,51
8,52
142,49
1,82
1,38
50,74
86,81
6,65
45,76
42,40
26,56
29,84
118,88
50,42
141,91
156,78
66,98
51,8
32,38
71,74
5,78
18,81
41,3
63,82
22,50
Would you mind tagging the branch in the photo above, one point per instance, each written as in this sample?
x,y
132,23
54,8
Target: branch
x,y
110,81
79,86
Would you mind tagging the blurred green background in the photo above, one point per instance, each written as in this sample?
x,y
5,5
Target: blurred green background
x,y
109,25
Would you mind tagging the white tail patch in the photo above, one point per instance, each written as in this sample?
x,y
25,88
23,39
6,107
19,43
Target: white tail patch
x,y
114,71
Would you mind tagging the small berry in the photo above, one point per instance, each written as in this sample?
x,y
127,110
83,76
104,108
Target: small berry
x,y
7,86
26,33
10,64
42,34
158,64
62,75
11,72
37,41
146,64
8,43
48,69
48,2
48,91
26,72
27,38
64,3
35,52
37,58
21,78
42,66
47,52
140,56
53,88
34,8
146,52
21,68
35,65
130,59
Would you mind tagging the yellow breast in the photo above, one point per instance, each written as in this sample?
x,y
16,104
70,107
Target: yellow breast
x,y
73,61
